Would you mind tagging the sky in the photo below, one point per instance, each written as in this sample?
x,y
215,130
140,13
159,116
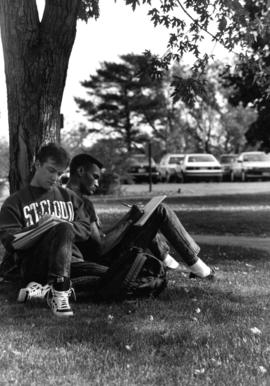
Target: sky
x,y
117,31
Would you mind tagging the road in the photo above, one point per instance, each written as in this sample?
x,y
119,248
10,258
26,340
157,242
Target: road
x,y
188,189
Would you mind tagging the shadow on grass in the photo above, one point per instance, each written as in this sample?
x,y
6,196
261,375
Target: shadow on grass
x,y
183,306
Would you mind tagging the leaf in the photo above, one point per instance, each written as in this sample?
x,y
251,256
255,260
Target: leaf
x,y
256,331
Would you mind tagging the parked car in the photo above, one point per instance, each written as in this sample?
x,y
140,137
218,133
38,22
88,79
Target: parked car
x,y
201,166
250,165
226,161
170,167
139,171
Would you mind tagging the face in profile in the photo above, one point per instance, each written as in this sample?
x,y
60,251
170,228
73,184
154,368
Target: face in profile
x,y
89,179
47,174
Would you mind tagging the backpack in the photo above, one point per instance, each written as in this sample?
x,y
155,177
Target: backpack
x,y
134,274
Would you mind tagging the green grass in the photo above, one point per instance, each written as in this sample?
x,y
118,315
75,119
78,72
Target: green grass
x,y
195,333
240,214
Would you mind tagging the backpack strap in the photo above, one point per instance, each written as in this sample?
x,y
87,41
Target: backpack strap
x,y
134,270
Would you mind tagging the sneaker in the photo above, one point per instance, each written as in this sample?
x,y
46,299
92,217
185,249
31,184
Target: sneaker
x,y
58,301
170,262
33,291
210,277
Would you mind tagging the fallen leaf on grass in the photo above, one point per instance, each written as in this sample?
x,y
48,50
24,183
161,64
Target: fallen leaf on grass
x,y
199,371
215,362
255,331
262,370
128,347
151,318
198,310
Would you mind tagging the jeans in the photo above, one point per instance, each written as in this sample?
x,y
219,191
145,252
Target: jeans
x,y
50,257
163,222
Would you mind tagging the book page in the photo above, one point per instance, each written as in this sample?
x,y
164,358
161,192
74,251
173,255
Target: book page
x,y
27,238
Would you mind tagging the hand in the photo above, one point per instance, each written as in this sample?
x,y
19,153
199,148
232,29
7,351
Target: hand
x,y
135,213
46,217
7,242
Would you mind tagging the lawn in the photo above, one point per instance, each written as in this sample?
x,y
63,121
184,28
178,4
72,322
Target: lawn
x,y
195,333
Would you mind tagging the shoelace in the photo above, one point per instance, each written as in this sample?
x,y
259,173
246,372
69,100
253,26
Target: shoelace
x,y
62,300
67,294
37,290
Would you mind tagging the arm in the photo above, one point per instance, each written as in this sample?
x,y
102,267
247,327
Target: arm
x,y
81,223
130,217
11,222
118,231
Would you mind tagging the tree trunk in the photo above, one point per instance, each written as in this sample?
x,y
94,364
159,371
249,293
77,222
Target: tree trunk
x,y
36,56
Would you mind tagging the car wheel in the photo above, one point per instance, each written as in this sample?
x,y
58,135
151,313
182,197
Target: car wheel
x,y
167,177
179,178
219,179
243,176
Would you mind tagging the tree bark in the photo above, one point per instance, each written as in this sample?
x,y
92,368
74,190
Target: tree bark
x,y
36,55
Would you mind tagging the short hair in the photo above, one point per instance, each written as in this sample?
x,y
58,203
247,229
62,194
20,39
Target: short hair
x,y
54,151
83,159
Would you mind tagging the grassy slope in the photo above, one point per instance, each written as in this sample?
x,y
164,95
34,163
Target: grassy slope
x,y
195,334
241,214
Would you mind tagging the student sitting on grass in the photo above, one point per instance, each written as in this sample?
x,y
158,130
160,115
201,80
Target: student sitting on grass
x,y
45,266
85,173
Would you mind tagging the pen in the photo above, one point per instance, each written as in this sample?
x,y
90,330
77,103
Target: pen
x,y
127,204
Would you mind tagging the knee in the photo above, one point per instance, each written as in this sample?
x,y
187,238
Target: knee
x,y
64,228
163,209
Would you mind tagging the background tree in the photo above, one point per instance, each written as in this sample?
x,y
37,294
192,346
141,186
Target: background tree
x,y
123,99
4,159
210,125
235,122
249,85
36,55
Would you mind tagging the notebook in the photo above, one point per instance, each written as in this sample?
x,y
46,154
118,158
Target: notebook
x,y
149,208
25,239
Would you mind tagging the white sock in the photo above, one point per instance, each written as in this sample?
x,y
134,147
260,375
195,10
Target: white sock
x,y
200,268
170,262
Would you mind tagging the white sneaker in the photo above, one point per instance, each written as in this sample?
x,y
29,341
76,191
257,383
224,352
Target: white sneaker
x,y
170,262
58,301
33,291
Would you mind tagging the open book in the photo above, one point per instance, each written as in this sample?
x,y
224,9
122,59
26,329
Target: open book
x,y
148,209
27,238
114,236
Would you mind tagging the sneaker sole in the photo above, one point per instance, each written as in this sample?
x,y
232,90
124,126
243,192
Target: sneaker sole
x,y
63,314
23,295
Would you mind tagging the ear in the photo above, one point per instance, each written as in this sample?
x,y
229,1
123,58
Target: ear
x,y
80,170
37,164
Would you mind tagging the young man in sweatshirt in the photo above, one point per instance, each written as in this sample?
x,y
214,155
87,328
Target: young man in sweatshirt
x,y
102,247
45,266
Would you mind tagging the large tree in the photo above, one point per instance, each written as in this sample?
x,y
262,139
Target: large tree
x,y
36,55
122,98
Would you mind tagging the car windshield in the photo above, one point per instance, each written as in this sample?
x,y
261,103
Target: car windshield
x,y
255,157
176,160
200,158
227,158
